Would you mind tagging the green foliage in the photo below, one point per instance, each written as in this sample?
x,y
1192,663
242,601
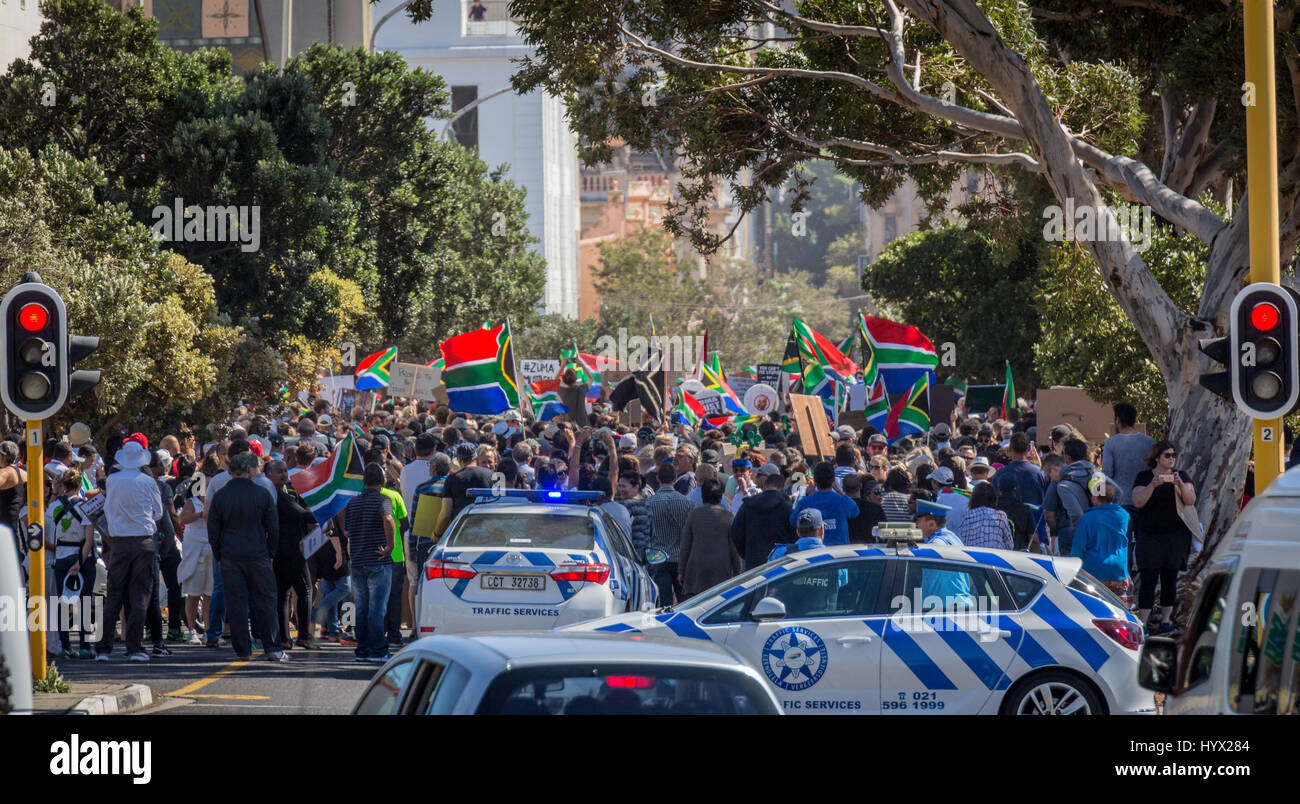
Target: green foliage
x,y
53,681
830,207
369,228
545,336
949,283
641,276
1088,341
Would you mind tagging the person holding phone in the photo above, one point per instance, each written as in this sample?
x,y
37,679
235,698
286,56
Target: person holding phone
x,y
1165,540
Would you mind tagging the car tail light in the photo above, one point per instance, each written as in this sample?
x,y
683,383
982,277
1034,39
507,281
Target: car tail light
x,y
447,569
630,682
1125,632
593,573
426,629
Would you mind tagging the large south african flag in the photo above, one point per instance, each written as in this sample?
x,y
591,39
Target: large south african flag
x,y
479,371
910,414
327,487
373,371
900,353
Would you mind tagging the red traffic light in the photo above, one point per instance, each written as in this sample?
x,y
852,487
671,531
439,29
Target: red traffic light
x,y
1264,316
33,317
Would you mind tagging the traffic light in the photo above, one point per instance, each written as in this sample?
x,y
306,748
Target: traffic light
x,y
1266,350
38,354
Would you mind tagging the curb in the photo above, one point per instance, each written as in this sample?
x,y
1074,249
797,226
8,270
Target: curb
x,y
136,696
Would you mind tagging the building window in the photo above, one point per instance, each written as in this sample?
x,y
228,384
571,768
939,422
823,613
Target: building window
x,y
488,18
891,227
465,128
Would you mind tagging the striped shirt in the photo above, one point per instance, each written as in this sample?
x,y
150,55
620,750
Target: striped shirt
x,y
895,504
985,527
668,511
363,520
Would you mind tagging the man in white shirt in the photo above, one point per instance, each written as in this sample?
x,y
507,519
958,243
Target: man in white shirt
x,y
415,473
133,506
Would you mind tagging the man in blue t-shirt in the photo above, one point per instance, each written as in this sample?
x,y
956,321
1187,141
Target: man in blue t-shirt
x,y
835,508
1031,483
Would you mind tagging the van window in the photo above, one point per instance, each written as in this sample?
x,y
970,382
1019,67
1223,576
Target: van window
x,y
1268,603
1205,627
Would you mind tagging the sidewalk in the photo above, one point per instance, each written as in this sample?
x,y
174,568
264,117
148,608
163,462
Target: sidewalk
x,y
93,699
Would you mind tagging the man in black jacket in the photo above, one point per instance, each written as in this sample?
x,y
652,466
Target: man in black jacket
x,y
1021,516
295,521
764,519
244,532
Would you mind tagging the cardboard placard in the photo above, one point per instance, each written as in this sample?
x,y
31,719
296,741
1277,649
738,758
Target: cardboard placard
x,y
942,401
769,374
741,384
428,385
534,370
810,423
1063,404
401,378
712,404
312,542
428,508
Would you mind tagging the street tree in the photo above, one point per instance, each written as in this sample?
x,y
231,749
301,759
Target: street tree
x,y
892,90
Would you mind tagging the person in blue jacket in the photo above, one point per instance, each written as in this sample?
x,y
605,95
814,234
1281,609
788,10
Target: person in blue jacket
x,y
1101,539
811,530
836,509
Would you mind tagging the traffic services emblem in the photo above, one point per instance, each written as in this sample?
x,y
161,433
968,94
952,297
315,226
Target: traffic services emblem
x,y
794,658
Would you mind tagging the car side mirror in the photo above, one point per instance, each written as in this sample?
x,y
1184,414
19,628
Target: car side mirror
x,y
1158,664
769,608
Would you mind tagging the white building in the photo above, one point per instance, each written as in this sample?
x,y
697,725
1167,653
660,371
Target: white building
x,y
527,132
20,20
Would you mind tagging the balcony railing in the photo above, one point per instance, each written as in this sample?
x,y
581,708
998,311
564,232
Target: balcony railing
x,y
487,18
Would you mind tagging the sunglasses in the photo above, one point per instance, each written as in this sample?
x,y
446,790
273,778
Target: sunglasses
x,y
1169,455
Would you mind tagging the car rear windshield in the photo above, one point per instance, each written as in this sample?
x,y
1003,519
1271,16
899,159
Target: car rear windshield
x,y
1089,585
624,689
560,531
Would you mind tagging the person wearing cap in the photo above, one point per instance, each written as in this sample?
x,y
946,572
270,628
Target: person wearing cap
x,y
627,444
741,483
931,517
980,469
844,434
942,480
836,509
810,534
877,444
133,507
952,588
939,435
1101,538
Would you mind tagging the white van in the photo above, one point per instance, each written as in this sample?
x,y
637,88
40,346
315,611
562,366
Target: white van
x,y
1241,651
15,646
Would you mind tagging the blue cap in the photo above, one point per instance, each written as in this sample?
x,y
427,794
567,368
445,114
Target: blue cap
x,y
809,519
929,508
741,463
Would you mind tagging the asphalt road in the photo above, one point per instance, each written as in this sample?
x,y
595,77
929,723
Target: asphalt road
x,y
199,680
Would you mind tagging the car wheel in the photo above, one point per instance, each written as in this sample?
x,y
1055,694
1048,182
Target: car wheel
x,y
1053,693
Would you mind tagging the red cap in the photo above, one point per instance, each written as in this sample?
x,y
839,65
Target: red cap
x,y
138,438
255,447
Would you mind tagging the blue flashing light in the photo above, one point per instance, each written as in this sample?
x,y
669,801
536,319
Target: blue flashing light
x,y
554,495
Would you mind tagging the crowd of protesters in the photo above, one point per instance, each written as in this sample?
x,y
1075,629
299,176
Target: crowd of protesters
x,y
205,525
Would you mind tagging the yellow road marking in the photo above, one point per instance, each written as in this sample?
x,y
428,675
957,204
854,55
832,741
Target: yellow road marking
x,y
203,682
229,697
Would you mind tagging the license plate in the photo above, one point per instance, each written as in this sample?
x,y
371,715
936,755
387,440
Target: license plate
x,y
518,583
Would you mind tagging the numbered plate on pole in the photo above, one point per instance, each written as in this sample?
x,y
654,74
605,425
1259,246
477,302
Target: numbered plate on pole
x,y
1266,434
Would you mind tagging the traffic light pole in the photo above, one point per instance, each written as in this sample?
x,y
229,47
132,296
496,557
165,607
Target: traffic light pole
x,y
36,558
1261,174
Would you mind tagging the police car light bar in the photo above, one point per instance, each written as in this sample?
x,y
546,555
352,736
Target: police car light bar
x,y
898,532
540,495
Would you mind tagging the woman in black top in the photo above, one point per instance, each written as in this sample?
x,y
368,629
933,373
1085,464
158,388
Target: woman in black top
x,y
1165,541
13,491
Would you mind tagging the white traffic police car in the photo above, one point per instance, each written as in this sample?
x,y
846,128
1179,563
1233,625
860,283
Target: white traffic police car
x,y
545,673
519,559
919,629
